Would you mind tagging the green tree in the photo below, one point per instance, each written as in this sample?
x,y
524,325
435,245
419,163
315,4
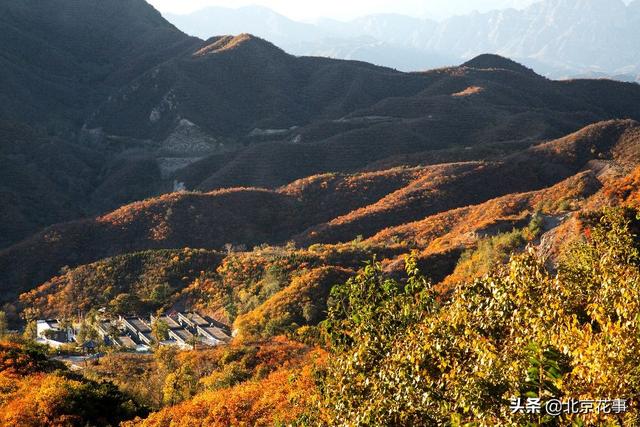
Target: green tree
x,y
3,325
87,332
367,317
30,330
125,303
160,294
397,358
160,330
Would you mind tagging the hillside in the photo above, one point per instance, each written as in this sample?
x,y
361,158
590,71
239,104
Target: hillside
x,y
467,130
171,221
451,186
431,120
59,61
333,208
253,85
386,248
127,118
74,61
39,391
71,54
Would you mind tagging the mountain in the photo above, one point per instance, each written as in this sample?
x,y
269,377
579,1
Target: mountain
x,y
98,113
143,170
490,61
230,86
570,34
560,38
324,209
110,118
58,62
60,59
260,21
386,39
239,111
457,110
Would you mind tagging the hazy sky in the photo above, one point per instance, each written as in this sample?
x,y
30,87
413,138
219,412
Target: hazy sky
x,y
346,9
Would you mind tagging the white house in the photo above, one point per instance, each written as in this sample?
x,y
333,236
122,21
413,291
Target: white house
x,y
51,332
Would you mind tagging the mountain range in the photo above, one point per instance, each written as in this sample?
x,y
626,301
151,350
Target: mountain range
x,y
95,118
103,119
560,38
144,170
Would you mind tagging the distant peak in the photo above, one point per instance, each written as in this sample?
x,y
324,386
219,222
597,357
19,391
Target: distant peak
x,y
489,61
227,43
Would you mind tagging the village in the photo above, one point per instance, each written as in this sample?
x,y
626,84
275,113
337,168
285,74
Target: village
x,y
184,330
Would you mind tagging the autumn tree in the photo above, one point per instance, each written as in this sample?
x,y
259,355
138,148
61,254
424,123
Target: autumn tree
x,y
520,332
37,391
368,316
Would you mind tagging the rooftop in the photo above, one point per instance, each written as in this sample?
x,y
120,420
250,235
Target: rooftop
x,y
183,334
172,324
216,333
139,324
126,341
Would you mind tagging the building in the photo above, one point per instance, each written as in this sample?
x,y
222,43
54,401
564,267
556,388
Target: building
x,y
54,333
191,320
125,342
213,335
140,329
182,337
184,330
167,320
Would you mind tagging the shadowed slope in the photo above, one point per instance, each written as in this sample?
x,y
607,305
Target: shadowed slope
x,y
452,186
332,208
240,216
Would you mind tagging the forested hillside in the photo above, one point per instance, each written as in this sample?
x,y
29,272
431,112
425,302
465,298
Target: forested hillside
x,y
386,248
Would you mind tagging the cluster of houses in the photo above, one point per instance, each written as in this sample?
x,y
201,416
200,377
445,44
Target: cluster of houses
x,y
183,330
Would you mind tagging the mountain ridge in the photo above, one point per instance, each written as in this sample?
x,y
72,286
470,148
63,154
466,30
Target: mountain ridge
x,y
584,38
297,212
237,111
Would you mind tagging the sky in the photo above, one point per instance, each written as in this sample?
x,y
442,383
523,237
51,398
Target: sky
x,y
307,10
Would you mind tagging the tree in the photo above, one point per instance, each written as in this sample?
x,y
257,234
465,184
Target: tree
x,y
368,316
165,357
193,341
51,334
179,385
30,330
160,293
522,331
160,330
87,333
38,391
125,303
3,325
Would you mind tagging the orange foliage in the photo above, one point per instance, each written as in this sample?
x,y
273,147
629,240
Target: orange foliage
x,y
281,397
459,228
625,190
16,361
35,391
37,400
471,90
303,302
